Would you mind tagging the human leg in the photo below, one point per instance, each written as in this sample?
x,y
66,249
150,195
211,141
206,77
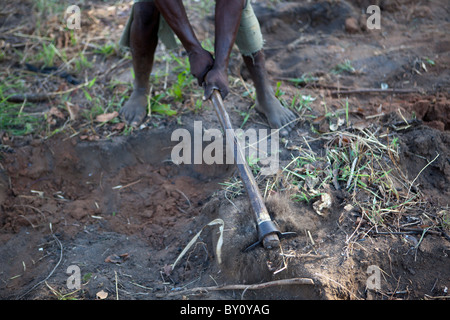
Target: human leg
x,y
143,41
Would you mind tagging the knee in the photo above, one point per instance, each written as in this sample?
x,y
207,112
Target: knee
x,y
146,14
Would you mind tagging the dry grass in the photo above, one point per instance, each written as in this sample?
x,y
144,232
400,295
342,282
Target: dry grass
x,y
363,164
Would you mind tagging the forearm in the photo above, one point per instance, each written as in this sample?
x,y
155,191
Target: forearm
x,y
227,19
174,13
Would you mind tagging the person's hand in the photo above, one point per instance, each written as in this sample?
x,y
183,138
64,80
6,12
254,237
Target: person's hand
x,y
216,79
201,62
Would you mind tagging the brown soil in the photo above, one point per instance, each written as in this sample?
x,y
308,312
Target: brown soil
x,y
119,209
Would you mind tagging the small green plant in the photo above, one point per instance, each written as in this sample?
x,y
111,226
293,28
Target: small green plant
x,y
303,80
47,8
278,91
233,187
14,117
82,62
253,164
394,144
345,66
246,115
198,105
184,84
87,277
306,177
300,102
47,54
429,61
106,50
162,108
177,88
346,111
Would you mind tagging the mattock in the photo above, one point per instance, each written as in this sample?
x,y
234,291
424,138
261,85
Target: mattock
x,y
268,233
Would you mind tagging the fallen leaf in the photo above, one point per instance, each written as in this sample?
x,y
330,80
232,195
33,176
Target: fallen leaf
x,y
361,125
101,295
349,208
54,111
118,126
89,137
114,258
105,117
333,127
73,109
125,256
167,269
323,204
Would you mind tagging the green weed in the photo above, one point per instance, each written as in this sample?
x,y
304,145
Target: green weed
x,y
159,107
301,102
343,67
106,50
82,63
14,117
303,80
278,92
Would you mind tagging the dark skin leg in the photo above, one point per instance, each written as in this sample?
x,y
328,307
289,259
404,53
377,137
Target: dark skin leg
x,y
201,61
210,73
143,42
266,102
227,18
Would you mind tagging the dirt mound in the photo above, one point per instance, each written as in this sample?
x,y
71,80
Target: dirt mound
x,y
324,250
430,149
119,188
119,210
434,111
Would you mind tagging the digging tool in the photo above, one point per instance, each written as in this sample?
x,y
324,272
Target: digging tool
x,y
268,233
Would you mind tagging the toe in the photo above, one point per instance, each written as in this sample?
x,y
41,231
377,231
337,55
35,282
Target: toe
x,y
137,119
288,121
133,113
284,133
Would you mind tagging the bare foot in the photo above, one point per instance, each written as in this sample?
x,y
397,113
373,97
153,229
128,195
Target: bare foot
x,y
277,115
135,109
266,102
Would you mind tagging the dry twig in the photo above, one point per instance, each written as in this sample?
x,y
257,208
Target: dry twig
x,y
245,287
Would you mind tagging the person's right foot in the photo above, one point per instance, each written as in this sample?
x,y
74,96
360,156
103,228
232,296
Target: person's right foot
x,y
135,109
277,116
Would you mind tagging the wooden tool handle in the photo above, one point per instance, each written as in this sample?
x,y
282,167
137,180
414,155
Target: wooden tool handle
x,y
269,237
